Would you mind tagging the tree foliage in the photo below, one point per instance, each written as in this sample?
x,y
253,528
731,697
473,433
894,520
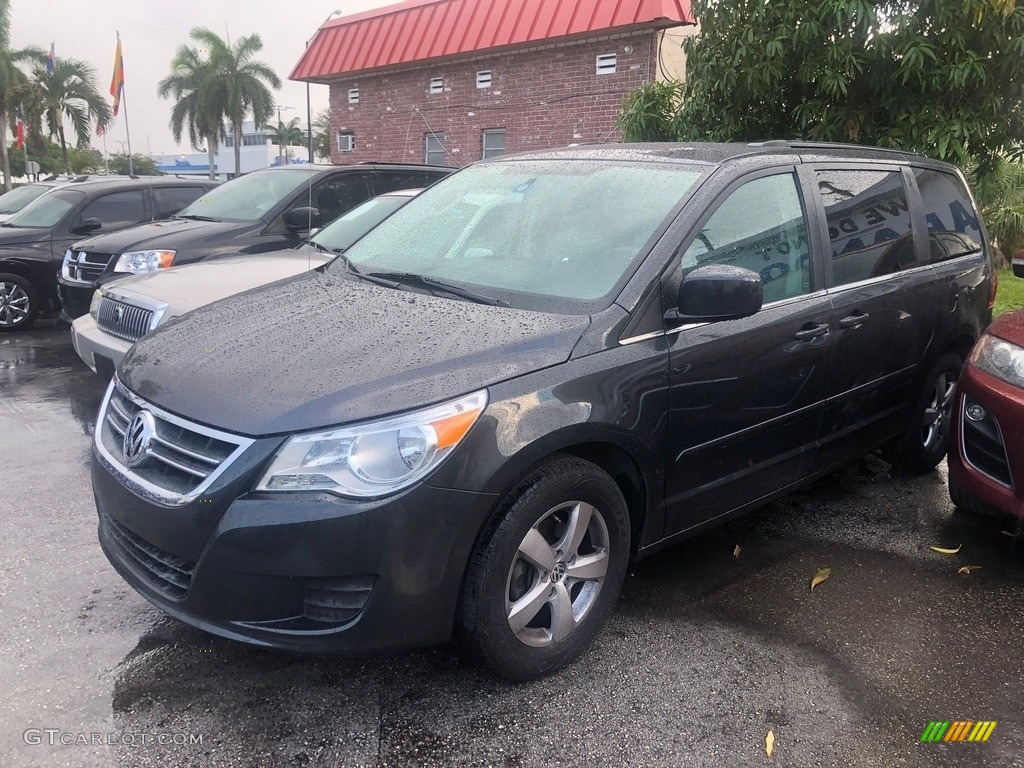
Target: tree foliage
x,y
143,165
322,134
197,111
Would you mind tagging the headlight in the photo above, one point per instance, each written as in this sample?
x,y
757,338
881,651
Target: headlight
x,y
376,458
137,262
94,305
1000,358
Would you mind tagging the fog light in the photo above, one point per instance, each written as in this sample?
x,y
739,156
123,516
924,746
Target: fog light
x,y
976,412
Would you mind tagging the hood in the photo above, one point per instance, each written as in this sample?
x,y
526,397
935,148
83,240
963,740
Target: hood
x,y
194,285
1009,326
170,233
22,235
321,350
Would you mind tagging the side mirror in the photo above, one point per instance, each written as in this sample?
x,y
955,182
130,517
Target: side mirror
x,y
302,219
718,292
87,225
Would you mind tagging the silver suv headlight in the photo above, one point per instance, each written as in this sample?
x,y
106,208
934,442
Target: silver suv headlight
x,y
375,458
139,262
94,305
999,358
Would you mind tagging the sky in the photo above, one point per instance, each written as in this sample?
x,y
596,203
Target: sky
x,y
151,30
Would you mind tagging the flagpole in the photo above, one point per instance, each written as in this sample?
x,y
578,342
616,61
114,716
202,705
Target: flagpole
x,y
124,100
106,162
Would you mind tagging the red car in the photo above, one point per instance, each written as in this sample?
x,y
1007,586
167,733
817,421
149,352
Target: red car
x,y
986,455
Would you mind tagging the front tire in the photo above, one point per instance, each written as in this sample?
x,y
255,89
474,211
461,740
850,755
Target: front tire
x,y
924,444
19,303
547,571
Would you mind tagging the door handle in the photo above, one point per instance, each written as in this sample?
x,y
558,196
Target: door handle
x,y
854,321
811,333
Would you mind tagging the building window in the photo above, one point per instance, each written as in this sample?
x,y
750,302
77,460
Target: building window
x,y
346,141
483,78
494,143
435,152
437,85
353,95
607,64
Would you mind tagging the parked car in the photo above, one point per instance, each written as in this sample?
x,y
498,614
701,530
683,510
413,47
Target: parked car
x,y
263,211
34,240
13,201
986,455
125,310
540,369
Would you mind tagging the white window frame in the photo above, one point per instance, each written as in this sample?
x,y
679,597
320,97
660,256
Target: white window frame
x,y
606,64
493,132
351,143
443,150
353,95
436,85
484,77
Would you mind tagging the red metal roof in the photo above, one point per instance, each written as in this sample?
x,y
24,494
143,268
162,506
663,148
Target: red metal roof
x,y
424,30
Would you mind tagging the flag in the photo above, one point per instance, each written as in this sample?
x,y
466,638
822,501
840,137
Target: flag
x,y
19,130
51,60
117,82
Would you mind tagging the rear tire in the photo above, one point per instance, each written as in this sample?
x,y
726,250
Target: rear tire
x,y
924,444
19,303
547,571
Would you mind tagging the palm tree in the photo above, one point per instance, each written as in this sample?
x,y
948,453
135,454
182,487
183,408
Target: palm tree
x,y
71,94
287,134
12,81
196,111
241,83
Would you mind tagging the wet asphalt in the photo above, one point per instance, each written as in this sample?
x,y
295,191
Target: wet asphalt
x,y
706,653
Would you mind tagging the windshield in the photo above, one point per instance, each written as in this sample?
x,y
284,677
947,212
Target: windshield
x,y
345,230
247,198
529,229
46,211
16,199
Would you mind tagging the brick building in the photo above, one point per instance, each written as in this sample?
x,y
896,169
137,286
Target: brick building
x,y
451,81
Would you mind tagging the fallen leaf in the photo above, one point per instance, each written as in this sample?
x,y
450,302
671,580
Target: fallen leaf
x,y
820,576
769,743
945,550
1007,533
736,551
966,569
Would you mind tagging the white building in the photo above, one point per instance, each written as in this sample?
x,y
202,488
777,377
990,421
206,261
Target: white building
x,y
258,150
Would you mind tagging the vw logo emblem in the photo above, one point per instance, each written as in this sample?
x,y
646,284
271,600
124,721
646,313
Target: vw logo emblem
x,y
118,314
140,433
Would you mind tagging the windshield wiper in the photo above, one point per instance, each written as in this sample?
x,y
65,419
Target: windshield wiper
x,y
353,270
194,217
431,283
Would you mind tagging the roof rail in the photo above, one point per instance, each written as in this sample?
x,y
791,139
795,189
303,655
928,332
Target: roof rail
x,y
396,162
787,144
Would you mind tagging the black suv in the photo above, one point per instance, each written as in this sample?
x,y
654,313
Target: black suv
x,y
34,240
542,367
262,211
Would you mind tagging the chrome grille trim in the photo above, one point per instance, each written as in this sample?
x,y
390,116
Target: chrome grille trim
x,y
197,469
84,268
124,320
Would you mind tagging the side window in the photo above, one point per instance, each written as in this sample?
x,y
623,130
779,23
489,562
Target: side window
x,y
170,200
868,223
390,181
953,225
340,194
761,226
117,210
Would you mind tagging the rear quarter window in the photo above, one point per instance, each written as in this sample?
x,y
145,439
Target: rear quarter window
x,y
954,227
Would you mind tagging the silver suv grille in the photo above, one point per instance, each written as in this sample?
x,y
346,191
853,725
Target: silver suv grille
x,y
178,459
123,320
82,267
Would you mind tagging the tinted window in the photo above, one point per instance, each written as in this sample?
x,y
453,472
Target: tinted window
x,y
117,210
868,223
391,181
762,227
339,194
349,227
16,199
953,226
48,210
249,197
548,229
170,200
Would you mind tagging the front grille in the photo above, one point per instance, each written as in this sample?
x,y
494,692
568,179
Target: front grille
x,y
983,445
179,459
84,268
162,570
123,320
336,601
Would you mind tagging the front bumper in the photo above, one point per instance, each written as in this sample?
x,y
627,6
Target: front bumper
x,y
986,459
91,341
74,298
298,571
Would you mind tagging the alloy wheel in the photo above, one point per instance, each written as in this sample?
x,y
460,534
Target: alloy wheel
x,y
938,413
15,305
557,573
